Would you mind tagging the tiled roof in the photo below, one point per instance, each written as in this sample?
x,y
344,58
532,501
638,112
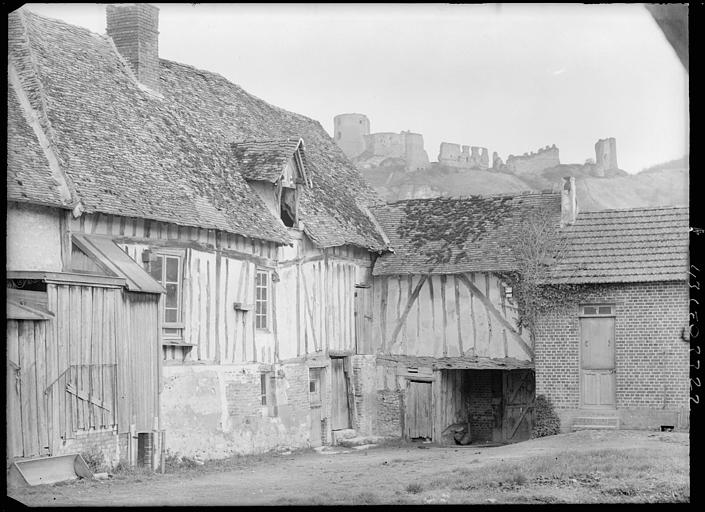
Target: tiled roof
x,y
263,160
129,153
28,176
623,246
449,235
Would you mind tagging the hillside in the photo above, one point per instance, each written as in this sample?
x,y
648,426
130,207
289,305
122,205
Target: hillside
x,y
393,183
661,185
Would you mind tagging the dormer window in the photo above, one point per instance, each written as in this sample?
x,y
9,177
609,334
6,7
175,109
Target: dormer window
x,y
288,207
276,171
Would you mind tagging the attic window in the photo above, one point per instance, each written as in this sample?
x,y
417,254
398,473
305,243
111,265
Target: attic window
x,y
288,207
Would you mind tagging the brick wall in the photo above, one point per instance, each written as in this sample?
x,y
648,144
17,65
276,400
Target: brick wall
x,y
364,392
477,395
651,358
105,441
388,400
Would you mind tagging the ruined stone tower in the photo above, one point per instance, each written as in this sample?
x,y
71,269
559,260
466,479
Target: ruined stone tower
x,y
349,133
605,156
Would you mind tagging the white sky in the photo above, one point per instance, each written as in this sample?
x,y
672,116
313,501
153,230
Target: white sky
x,y
512,78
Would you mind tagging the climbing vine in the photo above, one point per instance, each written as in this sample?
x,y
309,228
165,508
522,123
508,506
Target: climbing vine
x,y
538,246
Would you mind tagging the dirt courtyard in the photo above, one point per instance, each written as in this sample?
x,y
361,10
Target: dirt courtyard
x,y
586,466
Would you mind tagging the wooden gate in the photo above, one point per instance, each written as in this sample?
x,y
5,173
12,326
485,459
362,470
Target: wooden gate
x,y
518,390
597,361
418,410
340,412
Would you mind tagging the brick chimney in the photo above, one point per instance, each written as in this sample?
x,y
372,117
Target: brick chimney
x,y
134,30
569,201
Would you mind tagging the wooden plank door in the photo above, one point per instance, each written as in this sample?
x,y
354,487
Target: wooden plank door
x,y
363,320
316,404
340,416
597,362
27,425
418,410
519,392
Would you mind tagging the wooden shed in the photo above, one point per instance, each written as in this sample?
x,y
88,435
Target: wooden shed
x,y
82,352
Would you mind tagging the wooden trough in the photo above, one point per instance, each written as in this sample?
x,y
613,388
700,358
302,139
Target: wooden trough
x,y
47,470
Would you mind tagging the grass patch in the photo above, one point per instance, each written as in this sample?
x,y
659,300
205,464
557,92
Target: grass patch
x,y
627,475
414,488
177,463
365,498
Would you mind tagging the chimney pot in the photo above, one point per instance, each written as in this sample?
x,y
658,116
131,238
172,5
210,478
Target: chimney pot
x,y
134,28
569,201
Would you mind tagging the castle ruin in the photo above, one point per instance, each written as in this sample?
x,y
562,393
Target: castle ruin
x,y
534,161
469,157
352,133
605,156
383,149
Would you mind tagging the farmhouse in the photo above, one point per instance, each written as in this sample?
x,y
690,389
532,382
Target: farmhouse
x,y
442,322
192,269
182,256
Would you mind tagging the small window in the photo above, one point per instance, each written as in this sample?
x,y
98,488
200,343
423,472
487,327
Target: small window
x,y
166,270
598,310
262,300
267,397
263,387
314,386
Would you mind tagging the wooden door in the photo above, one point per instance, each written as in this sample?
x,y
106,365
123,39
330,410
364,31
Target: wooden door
x,y
597,361
518,398
418,410
363,320
340,416
27,423
315,403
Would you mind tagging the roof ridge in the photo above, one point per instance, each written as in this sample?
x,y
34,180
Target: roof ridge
x,y
26,10
634,209
523,193
262,141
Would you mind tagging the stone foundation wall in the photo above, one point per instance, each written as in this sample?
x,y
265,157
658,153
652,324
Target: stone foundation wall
x,y
216,411
108,442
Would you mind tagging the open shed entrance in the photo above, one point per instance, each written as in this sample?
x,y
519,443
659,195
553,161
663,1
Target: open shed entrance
x,y
468,406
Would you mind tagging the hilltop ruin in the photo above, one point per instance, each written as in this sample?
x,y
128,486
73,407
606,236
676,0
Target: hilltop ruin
x,y
406,149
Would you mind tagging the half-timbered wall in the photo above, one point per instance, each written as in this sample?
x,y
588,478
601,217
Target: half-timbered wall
x,y
311,312
312,300
444,316
316,298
